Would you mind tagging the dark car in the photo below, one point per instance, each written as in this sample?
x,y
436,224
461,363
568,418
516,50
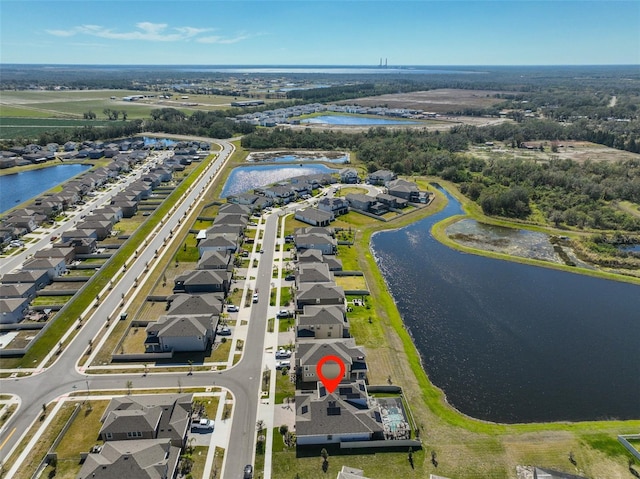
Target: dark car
x,y
290,277
248,471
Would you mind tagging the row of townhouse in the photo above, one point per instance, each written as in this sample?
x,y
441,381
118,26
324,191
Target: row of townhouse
x,y
322,329
35,154
193,311
18,289
399,194
282,193
285,115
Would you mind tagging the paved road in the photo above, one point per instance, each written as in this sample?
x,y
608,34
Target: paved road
x,y
243,380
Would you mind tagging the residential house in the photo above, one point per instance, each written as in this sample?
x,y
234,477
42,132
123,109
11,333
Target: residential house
x,y
278,194
309,352
236,209
55,267
323,322
360,202
68,253
181,333
349,176
113,213
336,206
316,256
221,228
12,310
314,216
17,290
143,459
38,277
319,294
79,245
216,260
323,242
313,273
203,281
128,206
333,418
156,416
407,190
392,201
381,177
220,242
101,227
243,199
79,234
194,304
27,222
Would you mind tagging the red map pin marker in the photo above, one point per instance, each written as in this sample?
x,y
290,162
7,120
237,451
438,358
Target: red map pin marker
x,y
330,383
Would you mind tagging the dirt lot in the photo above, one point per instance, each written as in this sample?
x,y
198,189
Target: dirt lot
x,y
574,150
437,101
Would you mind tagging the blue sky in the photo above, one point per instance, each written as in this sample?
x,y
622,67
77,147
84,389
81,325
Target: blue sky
x,y
321,32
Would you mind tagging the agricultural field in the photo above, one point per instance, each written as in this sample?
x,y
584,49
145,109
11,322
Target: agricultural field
x,y
26,113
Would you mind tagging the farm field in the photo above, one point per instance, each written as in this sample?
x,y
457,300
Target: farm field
x,y
27,113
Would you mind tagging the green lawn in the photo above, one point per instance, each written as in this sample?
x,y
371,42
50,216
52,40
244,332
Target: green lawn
x,y
284,387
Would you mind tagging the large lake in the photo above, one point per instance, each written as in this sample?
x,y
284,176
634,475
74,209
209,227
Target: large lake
x,y
18,188
509,342
245,178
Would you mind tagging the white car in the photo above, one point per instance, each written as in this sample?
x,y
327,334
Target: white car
x,y
203,425
255,297
232,308
283,364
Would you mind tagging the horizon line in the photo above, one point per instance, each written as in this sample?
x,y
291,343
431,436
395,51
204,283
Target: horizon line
x,y
328,65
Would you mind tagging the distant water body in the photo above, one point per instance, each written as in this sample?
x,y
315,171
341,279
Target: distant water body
x,y
18,188
246,178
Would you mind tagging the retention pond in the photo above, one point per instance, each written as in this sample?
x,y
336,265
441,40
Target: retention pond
x,y
513,343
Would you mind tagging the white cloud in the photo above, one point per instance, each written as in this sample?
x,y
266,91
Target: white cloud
x,y
225,40
61,33
147,31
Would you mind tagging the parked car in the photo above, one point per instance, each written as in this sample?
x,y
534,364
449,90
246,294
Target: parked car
x,y
284,313
290,277
248,472
283,364
283,354
255,297
225,331
232,308
203,425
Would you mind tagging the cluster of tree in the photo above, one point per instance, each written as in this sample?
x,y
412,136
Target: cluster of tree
x,y
215,124
111,114
90,133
